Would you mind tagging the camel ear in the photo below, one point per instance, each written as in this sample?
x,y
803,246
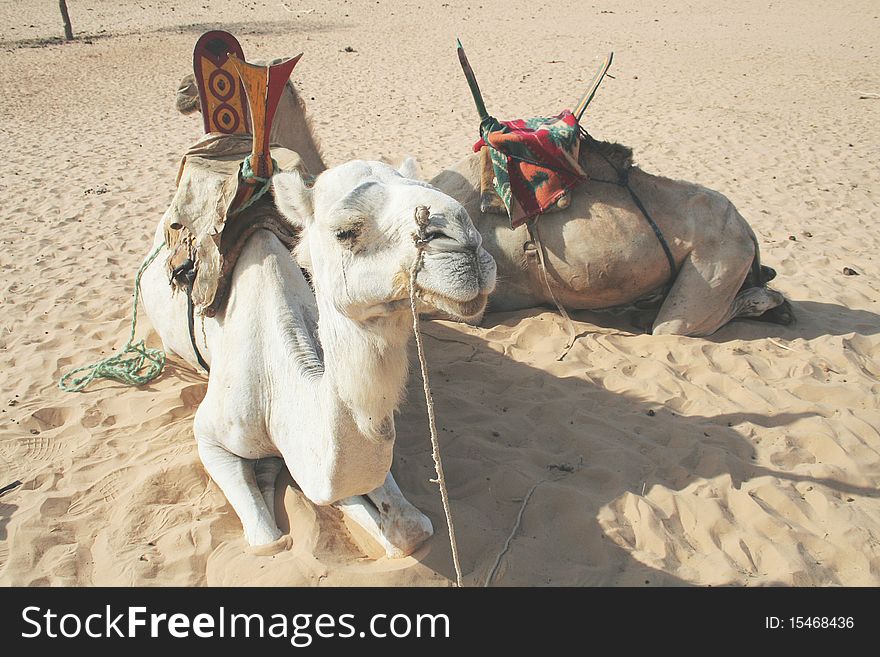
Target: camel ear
x,y
410,169
293,197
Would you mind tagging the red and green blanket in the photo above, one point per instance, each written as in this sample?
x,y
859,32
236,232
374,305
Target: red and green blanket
x,y
535,161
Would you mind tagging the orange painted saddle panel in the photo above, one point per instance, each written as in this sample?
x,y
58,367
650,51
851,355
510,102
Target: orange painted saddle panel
x,y
221,93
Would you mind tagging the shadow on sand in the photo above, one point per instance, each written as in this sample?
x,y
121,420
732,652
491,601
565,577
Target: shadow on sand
x,y
813,319
497,441
584,455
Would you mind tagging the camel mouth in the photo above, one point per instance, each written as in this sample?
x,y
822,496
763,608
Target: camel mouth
x,y
187,105
468,303
461,310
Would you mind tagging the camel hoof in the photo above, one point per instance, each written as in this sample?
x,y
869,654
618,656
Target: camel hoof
x,y
782,314
269,549
411,537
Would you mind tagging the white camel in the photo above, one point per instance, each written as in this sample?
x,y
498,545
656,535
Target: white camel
x,y
315,377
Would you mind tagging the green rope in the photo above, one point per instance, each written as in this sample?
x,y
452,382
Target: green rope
x,y
247,173
151,361
117,367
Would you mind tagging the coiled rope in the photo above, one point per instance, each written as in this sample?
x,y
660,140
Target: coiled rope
x,y
145,366
420,238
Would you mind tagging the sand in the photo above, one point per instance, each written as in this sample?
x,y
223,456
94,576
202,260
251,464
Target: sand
x,y
751,457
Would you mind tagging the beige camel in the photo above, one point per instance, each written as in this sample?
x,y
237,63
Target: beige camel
x,y
602,253
315,377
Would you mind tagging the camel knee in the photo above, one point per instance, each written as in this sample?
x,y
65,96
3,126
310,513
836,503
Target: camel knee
x,y
403,526
402,538
406,530
327,489
400,528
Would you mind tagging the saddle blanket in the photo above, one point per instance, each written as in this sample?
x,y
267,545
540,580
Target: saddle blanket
x,y
198,224
535,162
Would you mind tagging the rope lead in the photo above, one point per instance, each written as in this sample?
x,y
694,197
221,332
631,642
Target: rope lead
x,y
247,173
147,364
420,238
117,367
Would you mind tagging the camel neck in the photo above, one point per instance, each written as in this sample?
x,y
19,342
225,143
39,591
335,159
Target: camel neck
x,y
365,367
292,130
331,384
347,376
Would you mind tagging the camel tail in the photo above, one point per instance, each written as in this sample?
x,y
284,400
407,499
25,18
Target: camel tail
x,y
759,275
762,274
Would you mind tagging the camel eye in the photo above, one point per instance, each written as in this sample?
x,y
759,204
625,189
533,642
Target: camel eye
x,y
348,235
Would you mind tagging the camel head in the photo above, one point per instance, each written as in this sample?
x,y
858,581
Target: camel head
x,y
357,243
187,98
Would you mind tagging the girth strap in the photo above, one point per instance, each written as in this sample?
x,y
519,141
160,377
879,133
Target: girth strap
x,y
185,275
623,181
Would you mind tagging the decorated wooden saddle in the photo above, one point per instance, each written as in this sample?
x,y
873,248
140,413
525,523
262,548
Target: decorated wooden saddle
x,y
224,182
529,166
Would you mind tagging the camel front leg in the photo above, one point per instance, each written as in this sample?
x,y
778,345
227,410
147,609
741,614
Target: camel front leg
x,y
389,518
267,470
702,299
237,480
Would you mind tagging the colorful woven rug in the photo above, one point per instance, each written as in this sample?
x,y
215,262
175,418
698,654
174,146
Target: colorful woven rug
x,y
535,162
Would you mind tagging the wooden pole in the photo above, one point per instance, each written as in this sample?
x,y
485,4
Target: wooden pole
x,y
594,85
472,82
263,85
65,16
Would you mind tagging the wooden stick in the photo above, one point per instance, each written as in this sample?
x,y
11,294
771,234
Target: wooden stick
x,y
472,82
581,107
263,85
65,16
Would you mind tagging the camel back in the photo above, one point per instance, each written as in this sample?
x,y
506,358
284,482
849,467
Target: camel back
x,y
223,185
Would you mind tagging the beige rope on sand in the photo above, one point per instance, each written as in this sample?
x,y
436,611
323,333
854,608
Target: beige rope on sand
x,y
519,517
420,238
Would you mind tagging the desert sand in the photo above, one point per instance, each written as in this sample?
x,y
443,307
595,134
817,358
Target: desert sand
x,y
748,458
